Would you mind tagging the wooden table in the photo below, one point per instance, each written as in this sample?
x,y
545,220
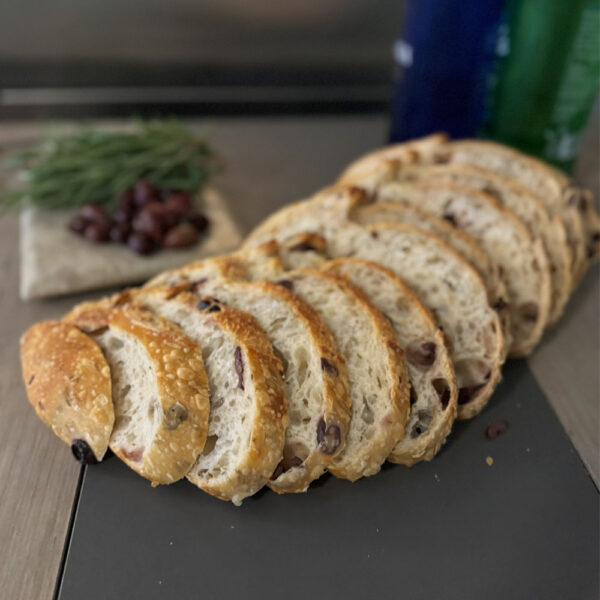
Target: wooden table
x,y
270,162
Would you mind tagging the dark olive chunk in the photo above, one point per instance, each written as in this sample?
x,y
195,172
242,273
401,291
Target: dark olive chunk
x,y
83,453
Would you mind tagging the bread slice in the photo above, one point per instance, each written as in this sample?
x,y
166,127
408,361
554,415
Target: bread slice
x,y
433,389
489,271
68,384
375,365
248,414
445,283
159,388
316,384
561,198
504,238
242,265
405,153
524,204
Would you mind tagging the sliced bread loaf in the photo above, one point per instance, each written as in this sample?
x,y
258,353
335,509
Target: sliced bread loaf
x,y
248,415
375,365
503,237
524,204
433,389
445,283
68,384
159,389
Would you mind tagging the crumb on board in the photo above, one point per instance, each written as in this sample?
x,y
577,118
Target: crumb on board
x,y
490,461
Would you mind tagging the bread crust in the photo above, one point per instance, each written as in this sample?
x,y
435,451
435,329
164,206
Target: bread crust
x,y
408,451
405,153
68,384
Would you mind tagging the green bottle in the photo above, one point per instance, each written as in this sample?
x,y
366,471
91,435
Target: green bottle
x,y
545,81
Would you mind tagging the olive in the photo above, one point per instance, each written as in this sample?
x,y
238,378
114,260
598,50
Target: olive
x,y
119,233
150,224
198,220
94,213
122,217
140,243
168,217
179,202
83,453
144,193
180,236
97,232
126,202
78,224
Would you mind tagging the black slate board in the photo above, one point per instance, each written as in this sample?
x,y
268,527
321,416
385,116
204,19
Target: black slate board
x,y
524,528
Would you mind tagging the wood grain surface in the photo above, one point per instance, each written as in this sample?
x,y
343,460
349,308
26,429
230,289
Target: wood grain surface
x,y
270,162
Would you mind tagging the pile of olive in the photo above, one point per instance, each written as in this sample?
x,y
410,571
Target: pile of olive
x,y
145,219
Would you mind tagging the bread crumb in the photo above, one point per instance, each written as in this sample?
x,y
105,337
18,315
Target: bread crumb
x,y
527,449
490,461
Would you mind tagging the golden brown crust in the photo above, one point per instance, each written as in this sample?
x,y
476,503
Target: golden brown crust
x,y
374,451
234,266
408,451
181,380
92,316
325,204
68,383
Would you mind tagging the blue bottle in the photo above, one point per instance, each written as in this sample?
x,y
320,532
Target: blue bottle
x,y
444,57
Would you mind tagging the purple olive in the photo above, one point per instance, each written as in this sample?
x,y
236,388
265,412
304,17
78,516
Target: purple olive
x,y
126,202
167,216
180,236
119,233
94,213
179,203
122,217
150,224
140,243
198,220
97,232
144,193
78,224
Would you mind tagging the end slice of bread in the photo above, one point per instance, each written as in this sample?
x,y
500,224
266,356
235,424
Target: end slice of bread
x,y
68,384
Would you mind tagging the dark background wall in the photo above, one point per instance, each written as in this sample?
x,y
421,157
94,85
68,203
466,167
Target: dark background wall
x,y
205,56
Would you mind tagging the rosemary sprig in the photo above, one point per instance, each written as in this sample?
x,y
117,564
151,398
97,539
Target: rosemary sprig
x,y
97,166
